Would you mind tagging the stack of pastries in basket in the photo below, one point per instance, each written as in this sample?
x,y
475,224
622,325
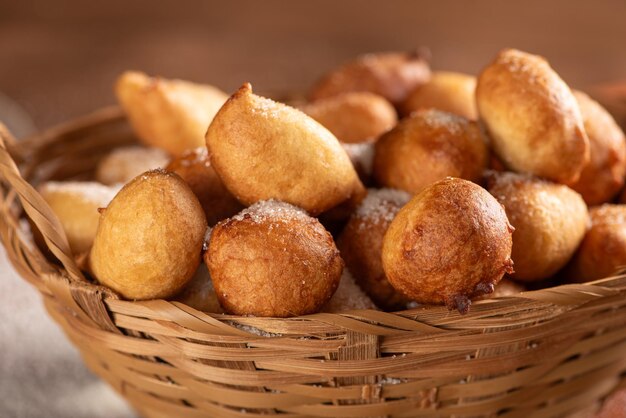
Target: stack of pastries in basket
x,y
391,187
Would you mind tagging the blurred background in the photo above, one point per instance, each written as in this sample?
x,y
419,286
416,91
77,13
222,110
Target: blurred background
x,y
59,60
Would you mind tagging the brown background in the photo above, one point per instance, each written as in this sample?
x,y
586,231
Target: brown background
x,y
58,59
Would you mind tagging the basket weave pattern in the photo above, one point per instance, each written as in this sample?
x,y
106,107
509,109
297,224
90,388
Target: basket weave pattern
x,y
547,353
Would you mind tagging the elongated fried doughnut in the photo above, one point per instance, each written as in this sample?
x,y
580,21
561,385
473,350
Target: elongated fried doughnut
x,y
550,220
532,116
429,146
449,244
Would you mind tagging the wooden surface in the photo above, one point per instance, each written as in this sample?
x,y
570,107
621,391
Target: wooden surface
x,y
59,58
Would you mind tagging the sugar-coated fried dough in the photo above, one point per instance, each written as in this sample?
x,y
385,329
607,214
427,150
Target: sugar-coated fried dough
x,y
354,117
429,146
348,296
550,220
199,293
532,117
169,114
263,150
124,164
447,91
150,237
451,243
272,259
361,245
603,250
194,166
603,177
390,74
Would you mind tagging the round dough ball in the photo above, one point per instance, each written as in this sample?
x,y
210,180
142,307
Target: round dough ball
x,y
272,259
168,114
550,220
603,177
390,74
354,117
348,296
603,250
194,166
447,91
150,237
124,164
449,244
76,206
429,146
506,287
532,116
199,293
266,150
361,245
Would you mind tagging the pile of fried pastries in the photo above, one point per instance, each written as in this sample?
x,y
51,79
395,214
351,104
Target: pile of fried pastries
x,y
392,186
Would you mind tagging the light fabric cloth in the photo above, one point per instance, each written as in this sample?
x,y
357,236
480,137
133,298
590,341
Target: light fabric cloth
x,y
41,373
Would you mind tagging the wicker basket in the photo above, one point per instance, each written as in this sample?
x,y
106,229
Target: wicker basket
x,y
547,353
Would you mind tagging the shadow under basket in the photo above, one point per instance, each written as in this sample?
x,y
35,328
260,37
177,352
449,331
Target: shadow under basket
x,y
543,353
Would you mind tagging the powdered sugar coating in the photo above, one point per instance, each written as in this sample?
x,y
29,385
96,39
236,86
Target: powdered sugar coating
x,y
382,205
361,155
124,164
93,192
271,210
348,296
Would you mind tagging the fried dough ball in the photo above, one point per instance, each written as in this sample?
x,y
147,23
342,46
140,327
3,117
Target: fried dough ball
x,y
361,245
447,91
506,287
263,150
200,293
124,164
550,220
449,244
348,296
532,117
428,146
272,259
150,237
389,74
355,116
76,206
362,157
194,166
603,250
168,114
603,177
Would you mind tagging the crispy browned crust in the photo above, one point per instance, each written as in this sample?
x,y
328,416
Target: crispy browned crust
x,y
429,146
603,177
533,118
277,264
266,150
355,116
603,249
449,244
391,75
150,237
361,245
194,167
550,220
447,91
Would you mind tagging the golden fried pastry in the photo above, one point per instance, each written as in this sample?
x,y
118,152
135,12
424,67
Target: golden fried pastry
x,y
76,206
447,91
362,157
348,296
532,116
194,166
272,259
150,237
603,250
449,244
550,220
603,177
355,116
124,164
361,244
200,293
168,114
390,74
429,146
266,150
